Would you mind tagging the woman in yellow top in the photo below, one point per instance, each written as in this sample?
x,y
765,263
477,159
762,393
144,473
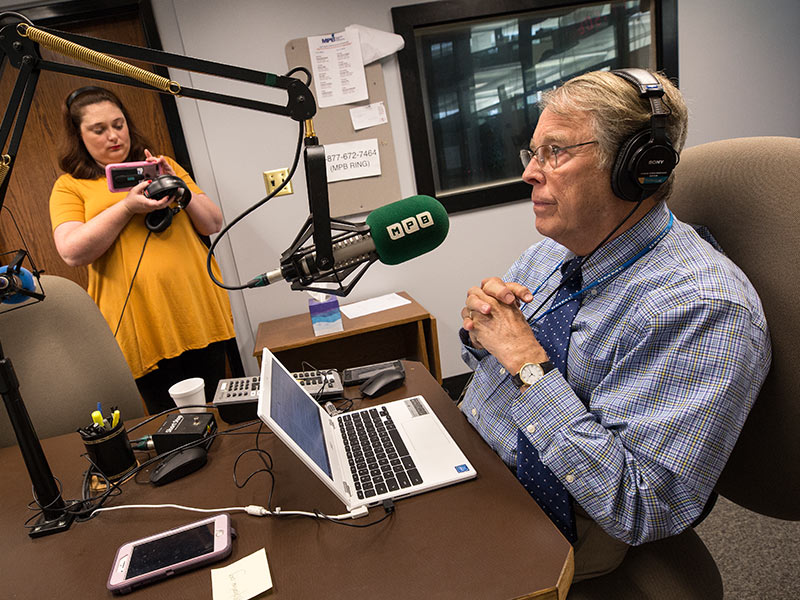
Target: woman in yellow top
x,y
176,321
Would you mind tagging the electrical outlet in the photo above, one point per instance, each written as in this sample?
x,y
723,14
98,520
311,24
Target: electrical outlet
x,y
273,179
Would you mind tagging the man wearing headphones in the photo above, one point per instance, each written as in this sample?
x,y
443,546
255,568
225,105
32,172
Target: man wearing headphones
x,y
616,361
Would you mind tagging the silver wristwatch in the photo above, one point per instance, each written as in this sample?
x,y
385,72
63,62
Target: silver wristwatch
x,y
530,373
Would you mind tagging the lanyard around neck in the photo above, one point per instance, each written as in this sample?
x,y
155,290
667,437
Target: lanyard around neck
x,y
610,275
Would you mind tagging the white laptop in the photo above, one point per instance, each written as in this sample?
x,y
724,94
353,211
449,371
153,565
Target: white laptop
x,y
425,457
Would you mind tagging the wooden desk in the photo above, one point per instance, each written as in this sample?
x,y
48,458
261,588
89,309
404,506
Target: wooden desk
x,y
408,331
485,538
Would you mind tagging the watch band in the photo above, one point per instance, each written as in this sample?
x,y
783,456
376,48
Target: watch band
x,y
545,367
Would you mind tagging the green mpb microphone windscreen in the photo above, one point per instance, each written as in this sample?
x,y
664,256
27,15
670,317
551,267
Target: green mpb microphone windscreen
x,y
407,228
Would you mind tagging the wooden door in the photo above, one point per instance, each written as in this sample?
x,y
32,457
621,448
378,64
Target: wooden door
x,y
36,165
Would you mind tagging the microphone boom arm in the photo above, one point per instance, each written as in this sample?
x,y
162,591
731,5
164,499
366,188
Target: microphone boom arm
x,y
19,44
19,41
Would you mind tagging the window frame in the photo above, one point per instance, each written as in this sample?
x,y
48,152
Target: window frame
x,y
408,19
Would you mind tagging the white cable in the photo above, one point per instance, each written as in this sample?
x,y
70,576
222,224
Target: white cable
x,y
253,509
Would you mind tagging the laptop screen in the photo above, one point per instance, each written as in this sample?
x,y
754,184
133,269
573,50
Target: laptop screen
x,y
298,415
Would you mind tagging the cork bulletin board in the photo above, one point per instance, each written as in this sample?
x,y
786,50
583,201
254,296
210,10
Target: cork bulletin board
x,y
333,125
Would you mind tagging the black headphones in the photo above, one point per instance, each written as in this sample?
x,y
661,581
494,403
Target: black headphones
x,y
166,185
80,91
646,160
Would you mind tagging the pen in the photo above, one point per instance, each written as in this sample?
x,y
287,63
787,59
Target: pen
x,y
100,407
97,417
114,419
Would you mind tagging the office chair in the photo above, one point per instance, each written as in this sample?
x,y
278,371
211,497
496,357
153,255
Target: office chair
x,y
66,360
747,192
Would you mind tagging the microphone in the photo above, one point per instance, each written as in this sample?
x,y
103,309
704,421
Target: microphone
x,y
16,282
392,234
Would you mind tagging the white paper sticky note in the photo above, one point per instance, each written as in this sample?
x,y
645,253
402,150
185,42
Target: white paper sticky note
x,y
338,67
352,160
368,116
373,305
242,580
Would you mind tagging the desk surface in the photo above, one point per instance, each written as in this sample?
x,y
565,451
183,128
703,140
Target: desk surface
x,y
484,538
296,331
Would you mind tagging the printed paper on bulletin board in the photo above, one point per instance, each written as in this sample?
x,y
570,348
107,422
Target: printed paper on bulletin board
x,y
333,125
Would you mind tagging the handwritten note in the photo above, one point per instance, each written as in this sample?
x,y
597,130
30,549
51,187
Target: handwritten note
x,y
242,580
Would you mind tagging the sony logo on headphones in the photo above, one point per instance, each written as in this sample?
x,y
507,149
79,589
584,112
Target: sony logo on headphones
x,y
655,162
409,225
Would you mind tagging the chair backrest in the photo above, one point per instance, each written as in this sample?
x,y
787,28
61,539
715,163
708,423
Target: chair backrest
x,y
66,360
747,192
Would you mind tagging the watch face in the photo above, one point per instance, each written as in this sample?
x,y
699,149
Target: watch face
x,y
531,373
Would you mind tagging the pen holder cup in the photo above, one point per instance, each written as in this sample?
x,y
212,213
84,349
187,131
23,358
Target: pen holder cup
x,y
111,452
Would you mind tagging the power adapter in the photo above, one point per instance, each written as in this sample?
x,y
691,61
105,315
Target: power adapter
x,y
182,428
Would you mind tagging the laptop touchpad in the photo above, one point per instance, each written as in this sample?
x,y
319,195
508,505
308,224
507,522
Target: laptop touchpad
x,y
424,434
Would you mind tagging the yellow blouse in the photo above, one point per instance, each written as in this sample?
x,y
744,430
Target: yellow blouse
x,y
174,306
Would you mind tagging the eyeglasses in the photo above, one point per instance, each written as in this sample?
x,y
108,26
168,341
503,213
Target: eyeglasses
x,y
547,154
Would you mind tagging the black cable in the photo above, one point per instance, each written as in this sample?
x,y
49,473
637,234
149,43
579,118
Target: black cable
x,y
261,202
346,404
388,506
113,487
130,287
55,500
84,510
267,469
309,77
307,366
255,206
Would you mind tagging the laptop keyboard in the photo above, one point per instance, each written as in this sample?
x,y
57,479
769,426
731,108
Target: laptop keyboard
x,y
378,458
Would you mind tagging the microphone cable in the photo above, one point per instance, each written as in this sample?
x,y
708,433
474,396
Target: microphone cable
x,y
260,203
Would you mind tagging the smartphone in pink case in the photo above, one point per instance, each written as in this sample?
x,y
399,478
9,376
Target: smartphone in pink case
x,y
165,554
123,176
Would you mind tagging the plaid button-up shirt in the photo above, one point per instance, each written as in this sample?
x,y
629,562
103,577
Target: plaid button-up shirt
x,y
665,361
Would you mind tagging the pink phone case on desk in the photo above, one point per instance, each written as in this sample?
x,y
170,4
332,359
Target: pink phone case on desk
x,y
169,553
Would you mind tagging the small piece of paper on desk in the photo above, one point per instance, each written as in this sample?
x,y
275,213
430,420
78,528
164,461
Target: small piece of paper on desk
x,y
373,305
246,578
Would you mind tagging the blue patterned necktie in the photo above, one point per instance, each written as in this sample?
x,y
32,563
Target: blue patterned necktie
x,y
553,335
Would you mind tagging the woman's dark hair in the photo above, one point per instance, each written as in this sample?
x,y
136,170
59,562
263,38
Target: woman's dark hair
x,y
75,158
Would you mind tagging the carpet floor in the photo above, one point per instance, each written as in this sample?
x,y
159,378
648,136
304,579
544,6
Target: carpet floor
x,y
757,556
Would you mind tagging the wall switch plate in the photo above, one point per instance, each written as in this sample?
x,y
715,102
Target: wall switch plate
x,y
273,179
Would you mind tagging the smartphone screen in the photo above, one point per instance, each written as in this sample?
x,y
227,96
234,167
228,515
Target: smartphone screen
x,y
173,549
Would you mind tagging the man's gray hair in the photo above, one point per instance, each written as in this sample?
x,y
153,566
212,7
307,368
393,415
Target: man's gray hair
x,y
616,112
